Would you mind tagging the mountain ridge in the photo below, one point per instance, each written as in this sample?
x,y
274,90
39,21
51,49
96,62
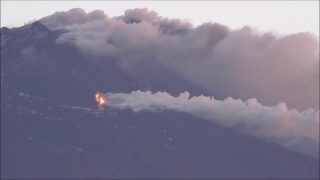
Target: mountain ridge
x,y
43,135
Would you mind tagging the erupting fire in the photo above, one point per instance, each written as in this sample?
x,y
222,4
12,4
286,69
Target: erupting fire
x,y
101,100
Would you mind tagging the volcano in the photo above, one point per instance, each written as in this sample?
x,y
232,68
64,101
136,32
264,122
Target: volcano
x,y
51,127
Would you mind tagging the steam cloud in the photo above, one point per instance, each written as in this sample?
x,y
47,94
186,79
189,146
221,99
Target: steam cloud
x,y
240,63
278,124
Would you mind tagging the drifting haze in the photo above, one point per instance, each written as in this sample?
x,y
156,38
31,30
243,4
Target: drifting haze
x,y
238,63
278,124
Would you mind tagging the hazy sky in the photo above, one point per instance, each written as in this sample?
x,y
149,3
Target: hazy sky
x,y
282,17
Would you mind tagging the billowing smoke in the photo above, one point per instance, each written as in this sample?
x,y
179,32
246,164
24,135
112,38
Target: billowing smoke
x,y
288,127
240,63
74,16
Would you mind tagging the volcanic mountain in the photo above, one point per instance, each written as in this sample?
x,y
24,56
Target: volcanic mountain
x,y
51,126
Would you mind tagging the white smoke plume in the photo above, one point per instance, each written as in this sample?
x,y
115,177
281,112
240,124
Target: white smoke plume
x,y
278,124
241,63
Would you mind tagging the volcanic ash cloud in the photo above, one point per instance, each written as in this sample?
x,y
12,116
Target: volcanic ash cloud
x,y
240,63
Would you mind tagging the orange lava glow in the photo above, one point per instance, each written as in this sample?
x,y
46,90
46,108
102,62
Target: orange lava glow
x,y
101,100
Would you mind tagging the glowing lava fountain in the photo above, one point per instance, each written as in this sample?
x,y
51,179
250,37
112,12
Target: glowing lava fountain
x,y
101,100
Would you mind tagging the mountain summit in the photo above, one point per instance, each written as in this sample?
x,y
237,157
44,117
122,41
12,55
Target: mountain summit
x,y
51,126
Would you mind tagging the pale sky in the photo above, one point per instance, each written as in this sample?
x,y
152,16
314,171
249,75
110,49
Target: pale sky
x,y
282,17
